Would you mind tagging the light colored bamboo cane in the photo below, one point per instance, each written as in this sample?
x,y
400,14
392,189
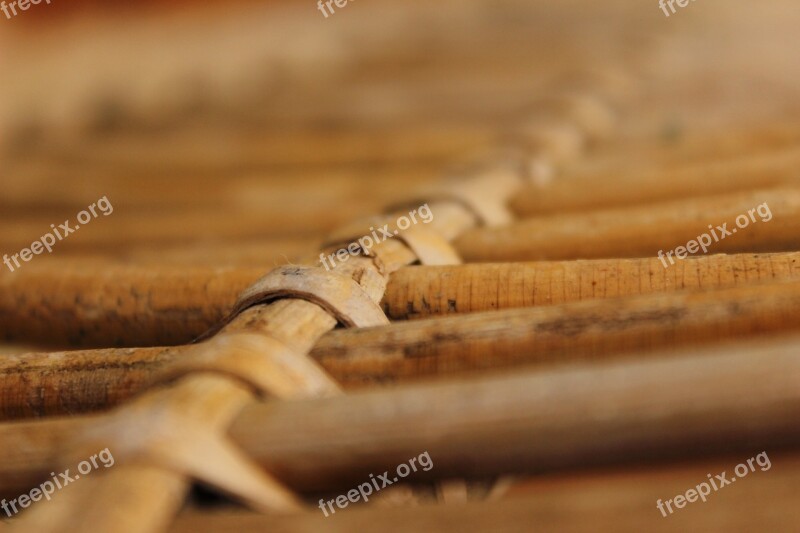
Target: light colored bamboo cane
x,y
71,382
732,398
643,231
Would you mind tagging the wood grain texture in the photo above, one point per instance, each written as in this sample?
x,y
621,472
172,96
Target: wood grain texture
x,y
732,398
756,170
102,304
620,499
642,231
599,330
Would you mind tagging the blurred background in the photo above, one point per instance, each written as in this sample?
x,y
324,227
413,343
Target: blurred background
x,y
241,133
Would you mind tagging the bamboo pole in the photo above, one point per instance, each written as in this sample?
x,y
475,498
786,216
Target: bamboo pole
x,y
132,306
643,231
688,148
739,173
420,292
732,398
606,500
71,382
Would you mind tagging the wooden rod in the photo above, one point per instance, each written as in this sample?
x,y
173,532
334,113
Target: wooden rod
x,y
687,148
621,499
744,172
71,382
418,292
644,230
81,304
739,398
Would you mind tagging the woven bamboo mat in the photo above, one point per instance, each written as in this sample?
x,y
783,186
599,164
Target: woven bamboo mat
x,y
381,266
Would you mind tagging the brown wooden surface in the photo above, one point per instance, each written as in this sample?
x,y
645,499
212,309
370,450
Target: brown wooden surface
x,y
95,303
595,500
599,330
641,231
735,398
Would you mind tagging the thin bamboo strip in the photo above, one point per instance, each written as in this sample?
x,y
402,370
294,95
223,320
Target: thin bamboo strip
x,y
93,304
643,231
731,398
71,382
615,500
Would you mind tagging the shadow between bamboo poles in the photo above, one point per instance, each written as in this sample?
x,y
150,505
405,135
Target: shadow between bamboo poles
x,y
134,306
73,382
733,398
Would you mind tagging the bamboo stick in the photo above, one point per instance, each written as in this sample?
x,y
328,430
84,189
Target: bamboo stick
x,y
690,147
132,306
642,231
420,292
245,186
733,398
71,382
605,500
744,172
